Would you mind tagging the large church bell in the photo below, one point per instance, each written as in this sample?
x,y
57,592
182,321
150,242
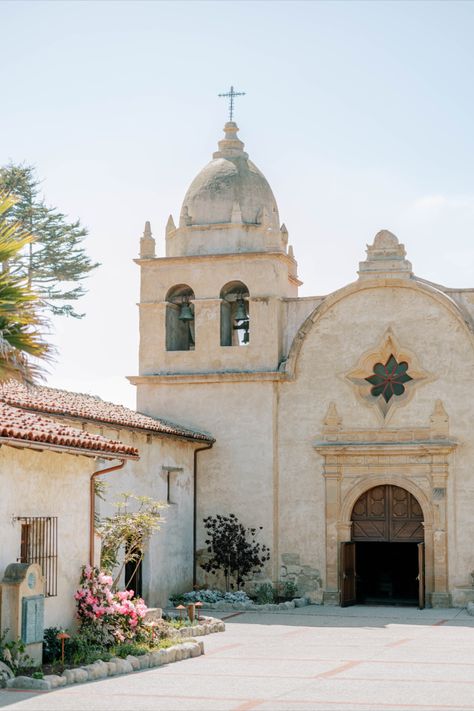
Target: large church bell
x,y
241,311
185,313
241,319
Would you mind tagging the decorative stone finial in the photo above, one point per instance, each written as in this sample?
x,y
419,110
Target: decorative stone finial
x,y
185,219
439,421
147,243
236,216
284,233
385,258
230,146
170,226
290,251
332,421
266,217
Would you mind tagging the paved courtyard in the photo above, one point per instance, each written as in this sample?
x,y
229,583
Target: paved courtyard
x,y
361,658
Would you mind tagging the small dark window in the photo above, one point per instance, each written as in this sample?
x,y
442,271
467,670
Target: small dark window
x,y
134,571
39,544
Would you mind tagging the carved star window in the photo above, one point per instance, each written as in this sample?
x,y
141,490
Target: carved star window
x,y
388,380
387,375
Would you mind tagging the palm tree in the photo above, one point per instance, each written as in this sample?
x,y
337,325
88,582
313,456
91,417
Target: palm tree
x,y
22,347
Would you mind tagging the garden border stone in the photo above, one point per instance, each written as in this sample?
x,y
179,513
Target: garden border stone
x,y
100,669
95,671
224,606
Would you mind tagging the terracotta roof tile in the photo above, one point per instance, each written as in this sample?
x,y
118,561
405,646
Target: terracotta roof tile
x,y
89,407
28,427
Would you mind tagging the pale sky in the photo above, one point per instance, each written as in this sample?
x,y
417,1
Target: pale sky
x,y
360,114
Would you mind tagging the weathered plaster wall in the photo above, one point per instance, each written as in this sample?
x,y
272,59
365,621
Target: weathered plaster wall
x,y
168,562
296,311
237,474
47,484
422,323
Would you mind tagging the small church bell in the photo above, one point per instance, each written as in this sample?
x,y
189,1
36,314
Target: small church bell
x,y
185,313
241,312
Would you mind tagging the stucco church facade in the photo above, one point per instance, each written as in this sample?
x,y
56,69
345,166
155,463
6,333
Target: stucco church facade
x,y
343,424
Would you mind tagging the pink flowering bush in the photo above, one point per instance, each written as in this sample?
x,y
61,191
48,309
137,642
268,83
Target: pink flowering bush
x,y
108,617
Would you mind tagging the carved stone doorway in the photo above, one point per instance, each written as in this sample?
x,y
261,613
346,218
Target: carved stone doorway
x,y
384,562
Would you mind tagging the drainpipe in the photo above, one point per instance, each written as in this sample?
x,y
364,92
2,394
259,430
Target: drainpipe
x,y
200,449
92,505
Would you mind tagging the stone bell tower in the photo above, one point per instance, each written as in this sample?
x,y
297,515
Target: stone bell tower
x,y
212,332
213,304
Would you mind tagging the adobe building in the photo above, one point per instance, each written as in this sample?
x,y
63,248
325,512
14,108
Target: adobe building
x,y
54,445
343,423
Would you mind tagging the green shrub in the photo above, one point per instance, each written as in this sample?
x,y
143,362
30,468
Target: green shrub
x,y
123,650
51,645
289,590
13,654
82,650
265,594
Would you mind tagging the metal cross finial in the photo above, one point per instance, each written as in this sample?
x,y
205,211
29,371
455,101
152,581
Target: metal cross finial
x,y
231,95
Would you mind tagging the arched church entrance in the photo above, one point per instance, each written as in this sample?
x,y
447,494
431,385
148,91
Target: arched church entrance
x,y
384,561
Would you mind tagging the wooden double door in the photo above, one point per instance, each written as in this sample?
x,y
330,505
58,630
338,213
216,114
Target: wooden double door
x,y
385,515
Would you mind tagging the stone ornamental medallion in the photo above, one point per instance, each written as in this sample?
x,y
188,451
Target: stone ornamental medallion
x,y
386,376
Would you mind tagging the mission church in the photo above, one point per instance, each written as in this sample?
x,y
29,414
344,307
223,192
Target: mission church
x,y
342,424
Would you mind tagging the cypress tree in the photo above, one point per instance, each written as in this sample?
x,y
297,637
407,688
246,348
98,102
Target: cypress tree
x,y
55,264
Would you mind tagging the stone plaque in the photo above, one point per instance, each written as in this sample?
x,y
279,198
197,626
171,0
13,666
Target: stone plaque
x,y
32,627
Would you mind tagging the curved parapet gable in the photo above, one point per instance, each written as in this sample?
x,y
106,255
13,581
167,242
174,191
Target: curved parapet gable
x,y
457,311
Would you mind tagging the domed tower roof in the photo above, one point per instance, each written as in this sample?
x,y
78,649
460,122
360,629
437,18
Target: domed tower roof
x,y
230,184
229,207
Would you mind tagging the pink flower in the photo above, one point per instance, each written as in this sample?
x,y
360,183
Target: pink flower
x,y
105,579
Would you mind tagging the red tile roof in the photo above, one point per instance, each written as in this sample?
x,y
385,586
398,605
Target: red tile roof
x,y
89,407
20,426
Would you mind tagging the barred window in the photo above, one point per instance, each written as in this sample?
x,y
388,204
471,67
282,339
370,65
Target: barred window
x,y
39,544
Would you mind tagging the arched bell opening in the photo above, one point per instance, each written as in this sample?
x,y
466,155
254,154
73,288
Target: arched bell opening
x,y
180,333
384,561
235,317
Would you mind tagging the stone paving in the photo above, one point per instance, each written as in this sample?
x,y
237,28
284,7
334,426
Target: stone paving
x,y
321,658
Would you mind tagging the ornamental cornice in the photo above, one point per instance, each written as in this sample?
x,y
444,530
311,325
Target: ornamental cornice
x,y
231,256
218,377
386,441
392,449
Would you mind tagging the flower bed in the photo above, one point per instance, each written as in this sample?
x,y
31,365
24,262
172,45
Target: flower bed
x,y
115,636
166,650
116,665
217,600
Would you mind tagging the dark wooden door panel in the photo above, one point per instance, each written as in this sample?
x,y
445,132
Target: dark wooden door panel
x,y
387,513
406,531
369,530
421,575
348,574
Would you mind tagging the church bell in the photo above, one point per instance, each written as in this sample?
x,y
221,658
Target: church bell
x,y
185,313
241,312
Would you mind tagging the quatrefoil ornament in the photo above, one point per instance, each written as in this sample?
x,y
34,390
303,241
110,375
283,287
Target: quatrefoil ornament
x,y
386,376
